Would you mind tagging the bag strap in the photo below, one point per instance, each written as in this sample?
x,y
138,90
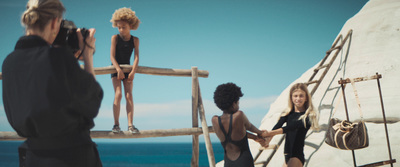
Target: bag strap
x,y
356,95
338,102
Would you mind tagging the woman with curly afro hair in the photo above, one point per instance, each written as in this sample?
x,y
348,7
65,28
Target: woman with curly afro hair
x,y
122,46
232,126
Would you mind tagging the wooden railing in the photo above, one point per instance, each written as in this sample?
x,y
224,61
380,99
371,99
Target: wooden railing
x,y
147,70
4,136
197,110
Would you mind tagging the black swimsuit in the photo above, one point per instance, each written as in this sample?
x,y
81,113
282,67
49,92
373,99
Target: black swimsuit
x,y
295,135
245,158
123,53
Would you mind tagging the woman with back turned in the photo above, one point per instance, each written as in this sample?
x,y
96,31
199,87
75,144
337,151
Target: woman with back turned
x,y
232,126
48,98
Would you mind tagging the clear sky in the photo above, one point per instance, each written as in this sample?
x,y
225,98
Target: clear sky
x,y
261,45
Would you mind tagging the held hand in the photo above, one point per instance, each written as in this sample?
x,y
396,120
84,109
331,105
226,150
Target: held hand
x,y
266,134
262,142
260,135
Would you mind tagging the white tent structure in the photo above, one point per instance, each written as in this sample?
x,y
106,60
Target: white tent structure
x,y
374,46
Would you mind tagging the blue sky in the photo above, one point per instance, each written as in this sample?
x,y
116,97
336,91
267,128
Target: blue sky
x,y
261,45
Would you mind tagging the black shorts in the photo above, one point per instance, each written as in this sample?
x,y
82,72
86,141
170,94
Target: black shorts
x,y
116,74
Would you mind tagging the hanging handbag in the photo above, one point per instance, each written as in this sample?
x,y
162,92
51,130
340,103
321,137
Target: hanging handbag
x,y
347,135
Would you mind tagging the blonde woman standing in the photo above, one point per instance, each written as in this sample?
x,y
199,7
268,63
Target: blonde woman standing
x,y
299,116
47,97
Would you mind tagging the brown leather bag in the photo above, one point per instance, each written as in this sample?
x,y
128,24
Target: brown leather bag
x,y
347,135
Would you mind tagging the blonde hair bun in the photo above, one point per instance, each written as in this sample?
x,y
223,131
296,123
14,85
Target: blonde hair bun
x,y
30,16
39,12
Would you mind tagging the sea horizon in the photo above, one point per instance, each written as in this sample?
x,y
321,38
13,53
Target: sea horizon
x,y
127,154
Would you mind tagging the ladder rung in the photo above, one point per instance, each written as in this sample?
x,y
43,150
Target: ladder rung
x,y
332,49
321,67
264,162
272,146
312,82
260,163
380,163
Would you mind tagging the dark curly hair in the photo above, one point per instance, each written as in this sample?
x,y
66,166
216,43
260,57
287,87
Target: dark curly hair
x,y
227,94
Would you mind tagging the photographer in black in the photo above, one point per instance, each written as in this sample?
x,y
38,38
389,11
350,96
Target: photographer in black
x,y
48,98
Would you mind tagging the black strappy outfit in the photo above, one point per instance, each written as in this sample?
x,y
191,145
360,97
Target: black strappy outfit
x,y
123,53
245,158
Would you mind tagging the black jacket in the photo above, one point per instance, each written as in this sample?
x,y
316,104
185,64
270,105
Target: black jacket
x,y
47,97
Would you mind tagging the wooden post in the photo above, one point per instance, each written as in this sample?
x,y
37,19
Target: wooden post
x,y
210,152
195,118
347,116
384,118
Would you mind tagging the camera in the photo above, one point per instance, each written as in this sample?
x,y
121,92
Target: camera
x,y
67,36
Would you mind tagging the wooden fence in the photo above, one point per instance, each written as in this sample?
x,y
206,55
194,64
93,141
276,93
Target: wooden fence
x,y
197,111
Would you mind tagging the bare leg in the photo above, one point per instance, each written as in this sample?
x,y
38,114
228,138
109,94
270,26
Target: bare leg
x,y
294,162
129,101
117,99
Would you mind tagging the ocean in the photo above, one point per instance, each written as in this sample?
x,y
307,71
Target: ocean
x,y
127,154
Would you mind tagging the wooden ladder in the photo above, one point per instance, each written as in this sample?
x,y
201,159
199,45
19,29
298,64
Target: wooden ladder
x,y
321,65
327,66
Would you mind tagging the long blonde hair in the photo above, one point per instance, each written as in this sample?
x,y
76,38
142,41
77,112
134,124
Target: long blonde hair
x,y
310,109
39,12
